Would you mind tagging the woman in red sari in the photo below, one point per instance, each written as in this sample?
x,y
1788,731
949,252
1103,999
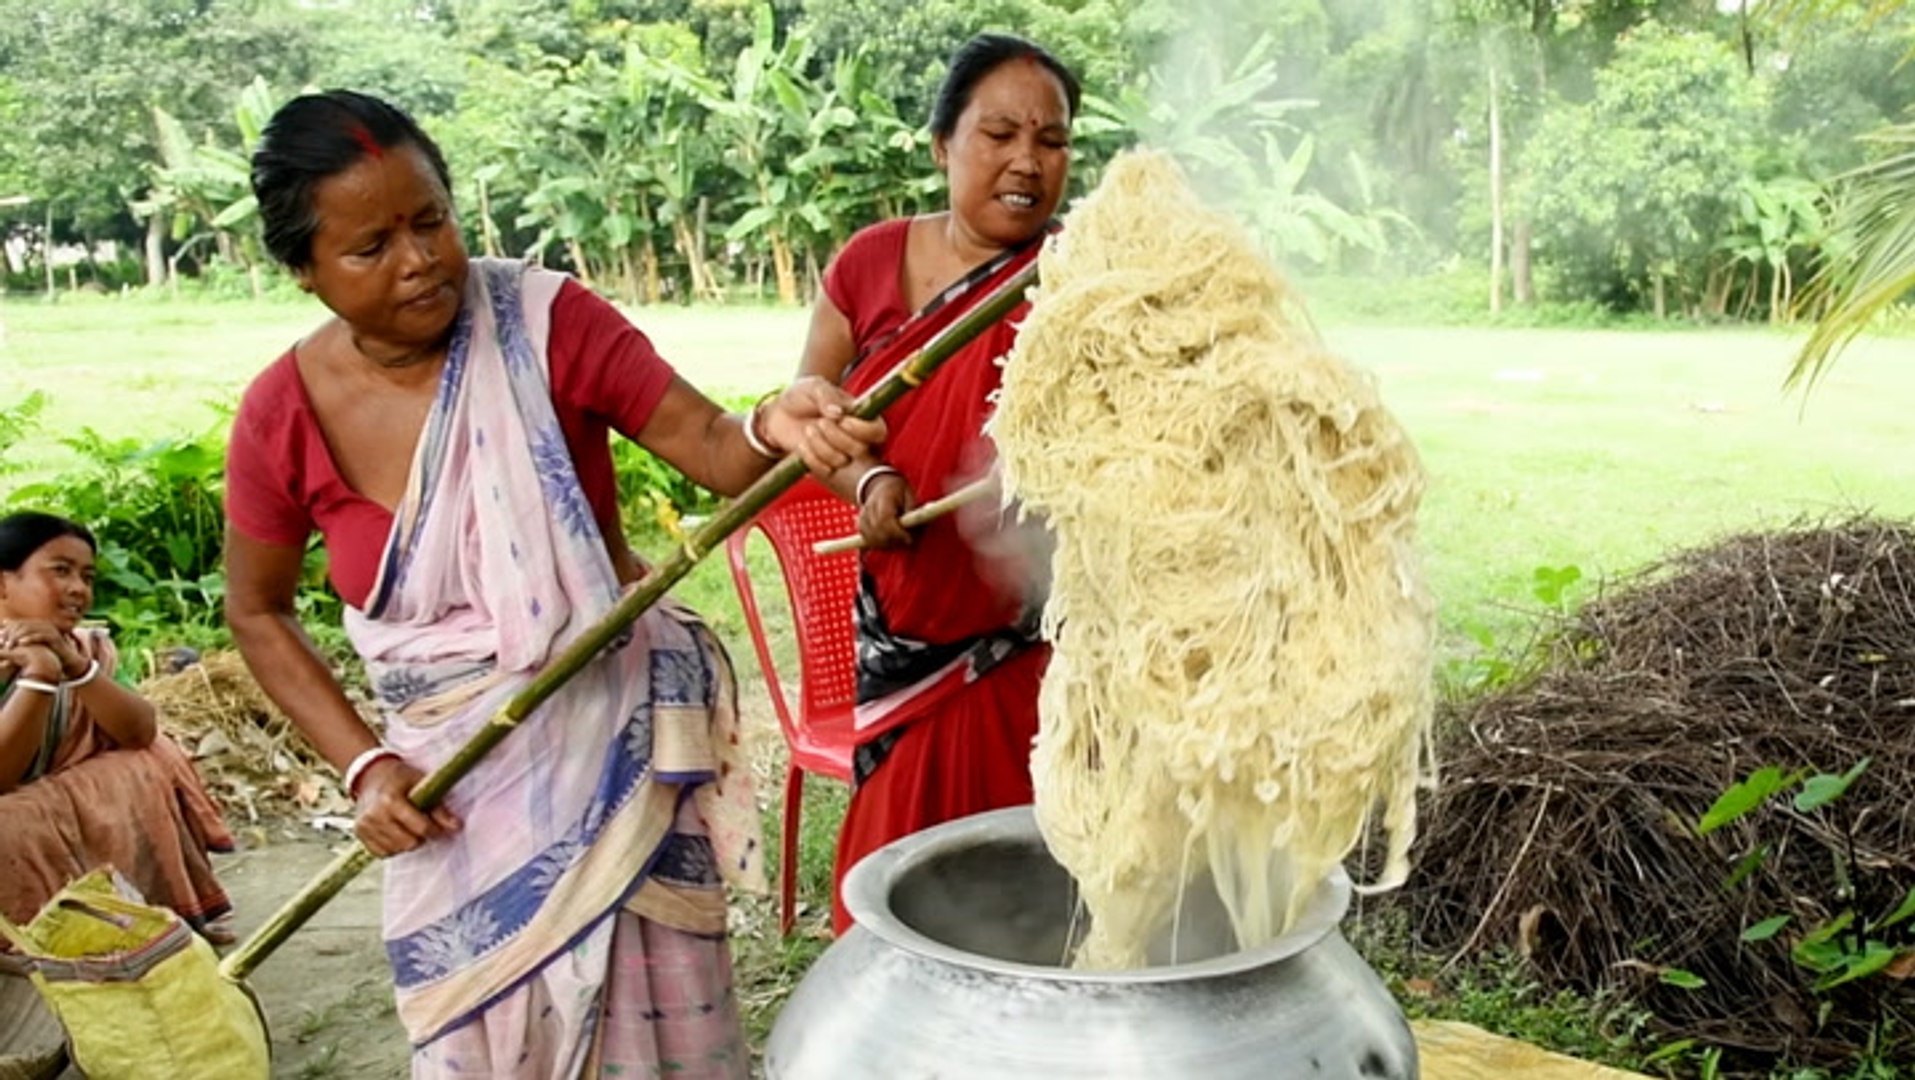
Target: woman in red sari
x,y
949,659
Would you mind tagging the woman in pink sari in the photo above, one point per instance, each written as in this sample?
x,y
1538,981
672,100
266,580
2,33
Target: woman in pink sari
x,y
563,914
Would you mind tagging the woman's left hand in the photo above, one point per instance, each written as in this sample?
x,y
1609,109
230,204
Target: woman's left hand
x,y
813,417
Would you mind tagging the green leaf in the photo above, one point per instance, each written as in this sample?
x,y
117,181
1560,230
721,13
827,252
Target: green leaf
x,y
1766,929
618,229
1873,958
1742,798
1552,583
750,222
1684,980
1901,913
1670,1050
240,211
1829,929
1819,791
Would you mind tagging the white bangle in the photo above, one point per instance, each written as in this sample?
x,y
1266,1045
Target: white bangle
x,y
35,684
752,439
92,672
366,760
864,482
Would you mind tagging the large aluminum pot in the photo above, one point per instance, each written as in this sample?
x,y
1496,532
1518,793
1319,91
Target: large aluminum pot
x,y
953,971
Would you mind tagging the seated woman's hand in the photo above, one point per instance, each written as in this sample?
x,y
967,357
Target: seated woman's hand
x,y
29,662
887,498
813,417
70,662
385,819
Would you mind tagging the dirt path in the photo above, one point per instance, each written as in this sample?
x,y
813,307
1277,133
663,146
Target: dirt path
x,y
327,992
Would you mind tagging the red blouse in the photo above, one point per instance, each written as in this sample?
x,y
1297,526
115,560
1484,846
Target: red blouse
x,y
282,483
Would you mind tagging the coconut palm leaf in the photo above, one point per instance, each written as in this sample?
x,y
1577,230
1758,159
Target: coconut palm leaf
x,y
1868,262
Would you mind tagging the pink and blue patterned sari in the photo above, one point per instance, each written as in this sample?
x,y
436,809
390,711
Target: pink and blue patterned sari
x,y
575,925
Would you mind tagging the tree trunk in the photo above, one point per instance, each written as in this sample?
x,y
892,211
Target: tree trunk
x,y
488,233
687,240
1495,196
630,276
1716,289
1523,287
1775,295
156,250
814,277
46,254
579,264
1662,295
649,256
1749,294
711,279
787,269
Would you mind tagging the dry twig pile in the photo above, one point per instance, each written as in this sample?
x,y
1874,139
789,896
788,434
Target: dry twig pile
x,y
1564,826
252,760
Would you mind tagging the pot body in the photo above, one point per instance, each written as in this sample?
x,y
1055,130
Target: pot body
x,y
954,971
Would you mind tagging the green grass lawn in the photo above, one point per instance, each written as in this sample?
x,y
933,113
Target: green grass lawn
x,y
1598,449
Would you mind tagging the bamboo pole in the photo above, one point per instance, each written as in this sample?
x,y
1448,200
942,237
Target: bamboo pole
x,y
931,511
909,372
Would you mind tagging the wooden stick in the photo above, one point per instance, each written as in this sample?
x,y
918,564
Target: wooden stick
x,y
909,372
931,511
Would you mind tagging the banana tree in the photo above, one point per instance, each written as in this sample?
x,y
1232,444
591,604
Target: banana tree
x,y
816,156
765,120
862,160
1230,128
1776,220
202,192
611,166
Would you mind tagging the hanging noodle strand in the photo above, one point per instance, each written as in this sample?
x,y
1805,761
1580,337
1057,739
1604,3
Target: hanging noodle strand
x,y
1242,635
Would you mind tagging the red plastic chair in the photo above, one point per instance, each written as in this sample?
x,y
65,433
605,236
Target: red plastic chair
x,y
822,590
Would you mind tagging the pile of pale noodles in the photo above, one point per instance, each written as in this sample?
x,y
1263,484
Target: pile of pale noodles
x,y
1242,634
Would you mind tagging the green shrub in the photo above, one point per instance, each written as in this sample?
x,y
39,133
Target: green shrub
x,y
156,510
652,495
16,421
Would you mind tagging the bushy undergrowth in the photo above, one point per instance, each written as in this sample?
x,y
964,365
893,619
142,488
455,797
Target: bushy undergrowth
x,y
156,510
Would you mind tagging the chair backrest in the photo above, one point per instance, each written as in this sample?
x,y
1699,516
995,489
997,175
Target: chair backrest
x,y
821,589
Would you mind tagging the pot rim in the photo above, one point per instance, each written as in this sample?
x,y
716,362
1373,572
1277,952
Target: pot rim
x,y
868,886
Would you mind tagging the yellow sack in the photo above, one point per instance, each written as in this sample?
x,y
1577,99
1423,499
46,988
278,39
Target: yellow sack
x,y
139,993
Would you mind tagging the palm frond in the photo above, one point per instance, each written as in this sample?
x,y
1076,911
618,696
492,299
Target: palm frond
x,y
1868,260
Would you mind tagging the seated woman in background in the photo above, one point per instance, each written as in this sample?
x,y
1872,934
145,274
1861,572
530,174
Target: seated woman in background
x,y
86,778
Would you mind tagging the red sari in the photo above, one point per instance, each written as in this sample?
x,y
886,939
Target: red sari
x,y
948,656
